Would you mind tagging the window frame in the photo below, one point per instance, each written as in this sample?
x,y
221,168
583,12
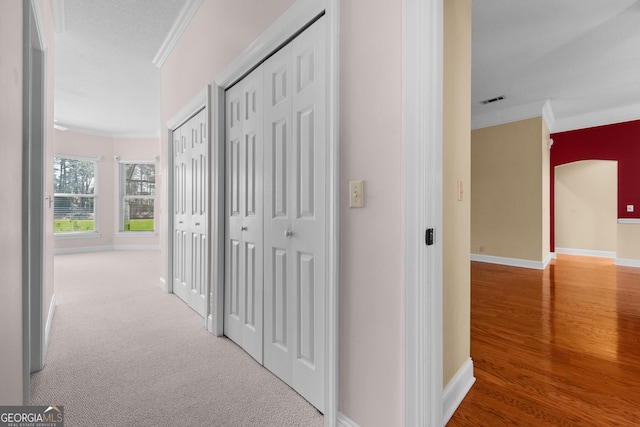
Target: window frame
x,y
96,218
122,197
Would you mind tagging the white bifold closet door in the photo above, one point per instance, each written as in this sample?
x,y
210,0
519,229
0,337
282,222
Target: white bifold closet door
x,y
190,205
275,280
294,209
243,228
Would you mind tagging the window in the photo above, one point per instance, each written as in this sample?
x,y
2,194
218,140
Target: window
x,y
74,195
137,196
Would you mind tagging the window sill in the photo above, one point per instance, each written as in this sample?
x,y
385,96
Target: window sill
x,y
77,235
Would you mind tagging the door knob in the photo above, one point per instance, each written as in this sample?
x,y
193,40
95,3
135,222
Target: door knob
x,y
288,233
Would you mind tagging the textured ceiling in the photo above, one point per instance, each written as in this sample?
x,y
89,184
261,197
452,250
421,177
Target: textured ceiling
x,y
581,55
105,79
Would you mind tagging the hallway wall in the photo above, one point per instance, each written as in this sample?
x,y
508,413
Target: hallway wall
x,y
11,387
371,375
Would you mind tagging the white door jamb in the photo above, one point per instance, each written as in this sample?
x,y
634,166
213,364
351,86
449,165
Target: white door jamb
x,y
33,205
422,59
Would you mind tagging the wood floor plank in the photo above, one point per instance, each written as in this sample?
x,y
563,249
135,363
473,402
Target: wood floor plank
x,y
559,347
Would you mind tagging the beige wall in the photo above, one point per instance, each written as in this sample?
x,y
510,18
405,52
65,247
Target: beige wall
x,y
456,168
11,387
371,375
586,208
93,146
508,199
628,247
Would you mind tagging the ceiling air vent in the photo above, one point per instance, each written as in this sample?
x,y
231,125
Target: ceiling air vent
x,y
492,100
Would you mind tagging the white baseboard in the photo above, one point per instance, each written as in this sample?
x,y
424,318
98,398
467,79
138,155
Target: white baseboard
x,y
88,249
548,259
163,285
457,389
344,421
136,247
47,327
513,262
208,323
585,252
624,262
82,250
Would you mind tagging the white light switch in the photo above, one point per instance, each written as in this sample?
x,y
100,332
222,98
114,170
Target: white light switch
x,y
356,194
629,208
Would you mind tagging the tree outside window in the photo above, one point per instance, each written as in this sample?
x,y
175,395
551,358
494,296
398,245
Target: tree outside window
x,y
74,195
137,197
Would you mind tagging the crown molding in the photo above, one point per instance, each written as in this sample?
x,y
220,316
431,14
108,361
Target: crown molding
x,y
285,27
598,118
179,26
59,21
555,125
500,117
155,135
64,127
548,115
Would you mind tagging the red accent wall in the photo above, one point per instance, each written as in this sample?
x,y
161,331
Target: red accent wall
x,y
621,142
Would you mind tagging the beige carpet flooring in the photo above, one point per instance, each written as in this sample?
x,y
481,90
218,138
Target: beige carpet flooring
x,y
123,353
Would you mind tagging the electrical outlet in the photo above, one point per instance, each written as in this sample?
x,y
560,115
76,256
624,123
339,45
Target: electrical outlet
x,y
356,194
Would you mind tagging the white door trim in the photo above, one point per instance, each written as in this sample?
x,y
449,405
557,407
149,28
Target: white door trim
x,y
422,61
201,100
295,19
34,190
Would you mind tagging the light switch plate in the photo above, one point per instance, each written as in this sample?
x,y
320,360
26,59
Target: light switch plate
x,y
356,194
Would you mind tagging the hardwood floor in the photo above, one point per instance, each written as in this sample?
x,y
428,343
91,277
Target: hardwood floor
x,y
559,347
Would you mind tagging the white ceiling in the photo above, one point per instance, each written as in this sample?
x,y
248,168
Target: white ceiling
x,y
582,56
105,80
